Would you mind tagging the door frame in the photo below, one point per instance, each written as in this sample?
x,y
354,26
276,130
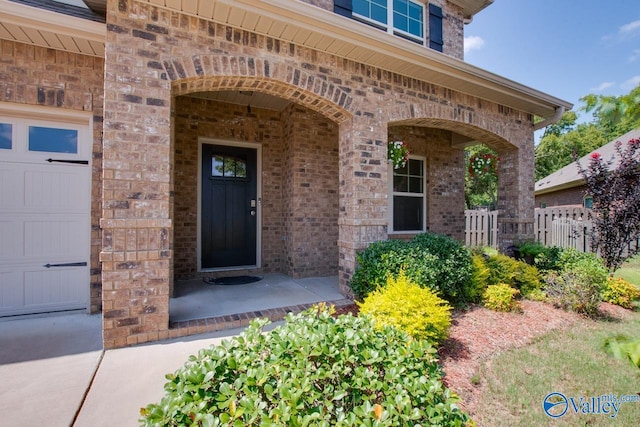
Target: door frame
x,y
255,146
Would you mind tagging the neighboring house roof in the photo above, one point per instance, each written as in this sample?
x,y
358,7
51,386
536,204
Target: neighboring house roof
x,y
325,31
569,176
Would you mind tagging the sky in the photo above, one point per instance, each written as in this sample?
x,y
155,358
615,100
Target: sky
x,y
565,48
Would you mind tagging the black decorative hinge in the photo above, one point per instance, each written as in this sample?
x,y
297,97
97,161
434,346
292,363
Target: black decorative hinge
x,y
67,264
75,162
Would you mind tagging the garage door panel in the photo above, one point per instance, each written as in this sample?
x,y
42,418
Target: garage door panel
x,y
11,185
11,296
55,237
55,286
55,189
11,243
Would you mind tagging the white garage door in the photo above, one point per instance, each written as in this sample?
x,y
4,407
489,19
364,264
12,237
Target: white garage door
x,y
45,190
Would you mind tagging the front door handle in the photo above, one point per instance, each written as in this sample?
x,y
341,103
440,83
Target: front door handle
x,y
253,213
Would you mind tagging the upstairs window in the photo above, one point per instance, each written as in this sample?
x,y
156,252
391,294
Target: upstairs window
x,y
403,18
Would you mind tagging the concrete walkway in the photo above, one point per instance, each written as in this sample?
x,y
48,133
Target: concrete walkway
x,y
54,373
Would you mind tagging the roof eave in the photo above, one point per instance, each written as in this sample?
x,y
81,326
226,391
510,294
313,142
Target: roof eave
x,y
33,17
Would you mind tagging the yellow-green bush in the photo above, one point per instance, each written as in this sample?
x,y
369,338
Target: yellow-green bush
x,y
620,292
518,274
479,279
405,305
501,297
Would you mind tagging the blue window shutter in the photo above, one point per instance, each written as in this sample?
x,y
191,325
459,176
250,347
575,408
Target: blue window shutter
x,y
343,7
435,28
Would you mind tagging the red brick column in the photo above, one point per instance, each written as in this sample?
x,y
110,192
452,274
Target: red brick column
x,y
515,194
363,190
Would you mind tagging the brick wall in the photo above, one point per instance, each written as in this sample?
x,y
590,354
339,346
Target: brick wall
x,y
299,183
312,193
37,76
157,55
569,196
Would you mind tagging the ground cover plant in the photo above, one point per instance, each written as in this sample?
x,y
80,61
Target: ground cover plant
x,y
315,369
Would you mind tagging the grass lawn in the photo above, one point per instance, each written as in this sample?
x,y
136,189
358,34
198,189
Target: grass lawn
x,y
571,362
630,271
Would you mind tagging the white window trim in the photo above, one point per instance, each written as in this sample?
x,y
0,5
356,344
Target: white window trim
x,y
389,27
423,195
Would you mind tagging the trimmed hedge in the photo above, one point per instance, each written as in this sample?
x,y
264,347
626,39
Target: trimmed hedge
x,y
430,260
314,370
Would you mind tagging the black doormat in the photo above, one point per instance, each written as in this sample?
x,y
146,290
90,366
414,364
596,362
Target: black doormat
x,y
234,280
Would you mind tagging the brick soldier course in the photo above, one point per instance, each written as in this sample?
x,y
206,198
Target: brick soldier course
x,y
324,163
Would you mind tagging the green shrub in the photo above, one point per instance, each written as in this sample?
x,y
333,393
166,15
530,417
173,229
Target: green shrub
x,y
549,259
620,292
574,290
501,297
313,370
517,274
372,270
410,308
430,260
453,268
386,258
479,279
624,348
589,263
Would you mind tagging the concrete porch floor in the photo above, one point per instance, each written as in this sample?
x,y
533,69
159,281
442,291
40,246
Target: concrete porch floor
x,y
195,299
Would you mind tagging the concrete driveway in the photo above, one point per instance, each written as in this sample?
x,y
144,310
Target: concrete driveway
x,y
54,372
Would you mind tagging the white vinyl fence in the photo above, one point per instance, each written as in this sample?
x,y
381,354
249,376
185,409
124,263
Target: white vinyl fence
x,y
481,228
563,226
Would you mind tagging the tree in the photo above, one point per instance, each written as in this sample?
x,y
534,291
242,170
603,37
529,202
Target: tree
x,y
556,151
616,115
616,203
481,177
563,141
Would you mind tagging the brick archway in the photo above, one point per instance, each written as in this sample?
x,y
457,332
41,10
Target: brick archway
x,y
203,73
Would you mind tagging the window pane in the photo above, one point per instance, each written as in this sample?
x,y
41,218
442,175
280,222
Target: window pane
x,y
379,13
415,167
372,9
400,22
415,185
400,184
415,28
407,17
217,166
228,167
415,11
53,140
6,135
407,213
361,7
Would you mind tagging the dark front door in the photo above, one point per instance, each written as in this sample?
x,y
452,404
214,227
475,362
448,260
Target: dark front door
x,y
229,206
